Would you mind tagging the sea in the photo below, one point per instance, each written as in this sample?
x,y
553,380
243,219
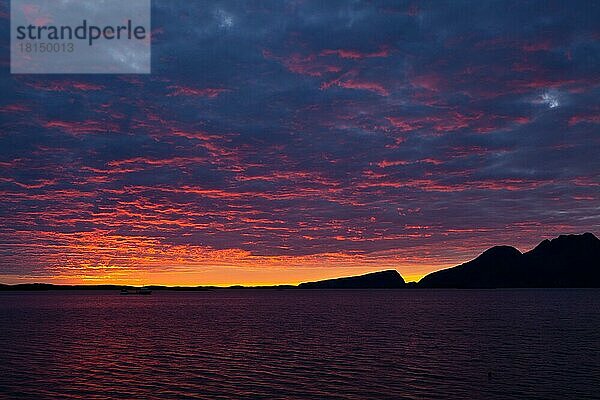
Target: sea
x,y
301,344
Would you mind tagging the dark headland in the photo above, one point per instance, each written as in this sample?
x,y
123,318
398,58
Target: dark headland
x,y
569,261
389,279
563,262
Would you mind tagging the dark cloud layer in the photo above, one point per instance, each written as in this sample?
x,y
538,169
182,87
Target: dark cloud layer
x,y
285,133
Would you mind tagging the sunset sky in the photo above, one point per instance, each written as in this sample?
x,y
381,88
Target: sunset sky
x,y
279,142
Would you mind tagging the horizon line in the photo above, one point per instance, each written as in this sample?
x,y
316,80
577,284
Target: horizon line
x,y
294,284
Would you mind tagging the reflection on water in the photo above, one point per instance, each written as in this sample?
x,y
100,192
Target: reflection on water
x,y
386,344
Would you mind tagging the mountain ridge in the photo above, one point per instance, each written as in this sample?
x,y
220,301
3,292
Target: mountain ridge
x,y
565,261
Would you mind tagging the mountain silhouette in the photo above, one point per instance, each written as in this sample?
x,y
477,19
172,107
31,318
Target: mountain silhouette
x,y
495,267
389,279
567,261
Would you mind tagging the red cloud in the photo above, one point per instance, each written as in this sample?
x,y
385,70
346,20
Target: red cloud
x,y
429,82
41,183
189,91
353,54
14,108
351,83
82,127
385,163
64,86
543,45
590,119
448,121
369,86
303,64
405,124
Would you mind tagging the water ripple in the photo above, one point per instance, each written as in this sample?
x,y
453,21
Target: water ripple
x,y
403,344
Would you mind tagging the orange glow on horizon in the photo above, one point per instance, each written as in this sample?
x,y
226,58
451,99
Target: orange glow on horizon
x,y
105,257
204,276
102,257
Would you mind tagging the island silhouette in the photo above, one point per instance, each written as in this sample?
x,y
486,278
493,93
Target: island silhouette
x,y
568,261
389,279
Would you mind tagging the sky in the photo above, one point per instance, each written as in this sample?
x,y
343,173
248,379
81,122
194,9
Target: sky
x,y
279,142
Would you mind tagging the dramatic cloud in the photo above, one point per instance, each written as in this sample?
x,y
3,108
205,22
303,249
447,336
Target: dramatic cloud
x,y
283,141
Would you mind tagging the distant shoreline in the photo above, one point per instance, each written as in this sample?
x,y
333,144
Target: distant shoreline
x,y
569,261
116,288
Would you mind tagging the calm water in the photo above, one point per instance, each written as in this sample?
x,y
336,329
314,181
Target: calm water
x,y
386,344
